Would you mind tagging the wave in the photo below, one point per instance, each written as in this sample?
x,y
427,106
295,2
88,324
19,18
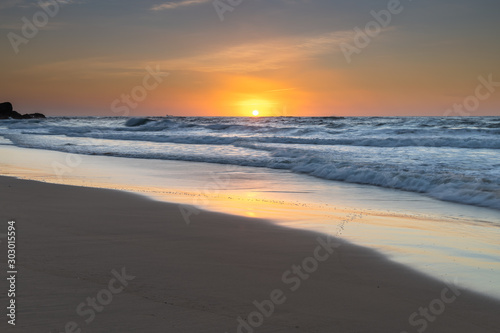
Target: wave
x,y
452,142
446,186
447,179
132,122
371,132
451,159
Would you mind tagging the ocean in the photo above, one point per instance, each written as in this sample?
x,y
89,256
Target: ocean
x,y
449,159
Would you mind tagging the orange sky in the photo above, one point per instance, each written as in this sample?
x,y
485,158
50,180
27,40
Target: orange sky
x,y
283,58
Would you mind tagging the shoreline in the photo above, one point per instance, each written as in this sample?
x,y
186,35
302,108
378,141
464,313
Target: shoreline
x,y
410,229
204,276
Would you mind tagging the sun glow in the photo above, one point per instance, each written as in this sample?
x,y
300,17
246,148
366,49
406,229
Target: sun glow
x,y
255,107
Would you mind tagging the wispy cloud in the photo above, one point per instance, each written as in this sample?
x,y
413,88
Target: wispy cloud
x,y
174,5
60,2
244,58
14,23
265,55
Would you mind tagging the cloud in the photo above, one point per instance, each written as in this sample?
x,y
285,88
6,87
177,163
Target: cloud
x,y
265,55
270,54
13,23
174,5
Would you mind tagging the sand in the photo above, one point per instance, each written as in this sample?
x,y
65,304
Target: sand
x,y
150,271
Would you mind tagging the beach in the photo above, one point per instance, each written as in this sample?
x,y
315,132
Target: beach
x,y
203,276
441,239
249,166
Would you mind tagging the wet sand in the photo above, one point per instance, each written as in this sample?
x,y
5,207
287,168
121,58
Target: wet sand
x,y
108,261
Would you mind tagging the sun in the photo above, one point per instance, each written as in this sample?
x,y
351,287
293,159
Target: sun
x,y
255,113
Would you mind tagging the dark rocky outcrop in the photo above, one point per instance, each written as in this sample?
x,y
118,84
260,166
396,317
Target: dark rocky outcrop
x,y
33,115
5,107
7,112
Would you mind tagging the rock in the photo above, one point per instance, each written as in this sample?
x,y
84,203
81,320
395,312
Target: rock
x,y
15,115
33,116
5,107
6,112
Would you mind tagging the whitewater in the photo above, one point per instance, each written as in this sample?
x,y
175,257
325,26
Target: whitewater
x,y
450,159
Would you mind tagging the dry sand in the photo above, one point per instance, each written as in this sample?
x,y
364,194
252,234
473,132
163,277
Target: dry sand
x,y
203,276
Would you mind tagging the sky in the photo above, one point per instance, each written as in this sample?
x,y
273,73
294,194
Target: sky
x,y
230,57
